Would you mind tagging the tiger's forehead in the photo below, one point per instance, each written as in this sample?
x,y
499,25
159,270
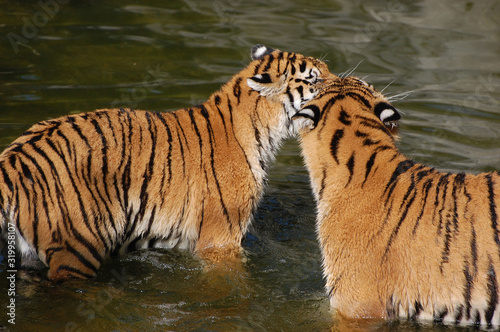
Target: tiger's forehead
x,y
349,84
296,58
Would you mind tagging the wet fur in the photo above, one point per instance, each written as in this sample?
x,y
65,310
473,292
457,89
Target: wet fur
x,y
81,188
398,238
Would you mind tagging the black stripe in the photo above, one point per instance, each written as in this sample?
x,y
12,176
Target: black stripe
x,y
440,315
104,153
6,178
91,186
457,184
407,203
302,66
150,222
360,98
270,60
181,147
80,257
12,161
289,95
195,127
146,177
477,318
401,168
26,171
443,182
469,284
237,88
148,173
323,184
279,59
169,141
325,111
369,165
370,142
334,144
371,123
344,117
66,141
417,306
51,251
426,187
350,168
202,218
360,134
221,200
493,212
179,127
40,172
424,173
36,219
492,293
300,90
409,191
211,137
223,121
446,247
77,192
230,108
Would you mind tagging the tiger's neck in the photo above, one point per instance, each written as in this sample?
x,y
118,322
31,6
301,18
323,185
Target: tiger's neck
x,y
345,161
256,125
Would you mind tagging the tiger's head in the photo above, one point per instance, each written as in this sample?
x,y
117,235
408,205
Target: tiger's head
x,y
286,79
355,99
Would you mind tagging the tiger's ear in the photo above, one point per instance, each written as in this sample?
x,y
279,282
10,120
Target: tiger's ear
x,y
266,84
386,113
259,51
307,118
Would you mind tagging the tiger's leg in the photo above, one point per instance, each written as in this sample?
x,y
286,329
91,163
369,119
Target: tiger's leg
x,y
66,263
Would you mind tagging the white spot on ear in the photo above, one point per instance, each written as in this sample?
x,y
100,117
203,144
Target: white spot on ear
x,y
259,52
307,112
386,114
304,120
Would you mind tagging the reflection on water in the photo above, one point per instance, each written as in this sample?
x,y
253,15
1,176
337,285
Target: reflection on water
x,y
162,56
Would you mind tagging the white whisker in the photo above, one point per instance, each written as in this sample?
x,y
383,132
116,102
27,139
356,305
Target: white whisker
x,y
382,91
349,71
399,96
322,57
365,77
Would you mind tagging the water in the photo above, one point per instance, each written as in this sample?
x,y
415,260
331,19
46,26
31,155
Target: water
x,y
79,56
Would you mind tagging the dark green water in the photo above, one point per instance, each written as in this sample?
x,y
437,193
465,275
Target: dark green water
x,y
81,55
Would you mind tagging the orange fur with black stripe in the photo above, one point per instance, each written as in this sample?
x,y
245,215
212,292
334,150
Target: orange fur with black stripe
x,y
82,187
398,238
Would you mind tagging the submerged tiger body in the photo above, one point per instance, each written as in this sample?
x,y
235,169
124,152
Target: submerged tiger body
x,y
398,238
82,187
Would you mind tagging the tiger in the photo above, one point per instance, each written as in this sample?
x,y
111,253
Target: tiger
x,y
81,188
398,239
